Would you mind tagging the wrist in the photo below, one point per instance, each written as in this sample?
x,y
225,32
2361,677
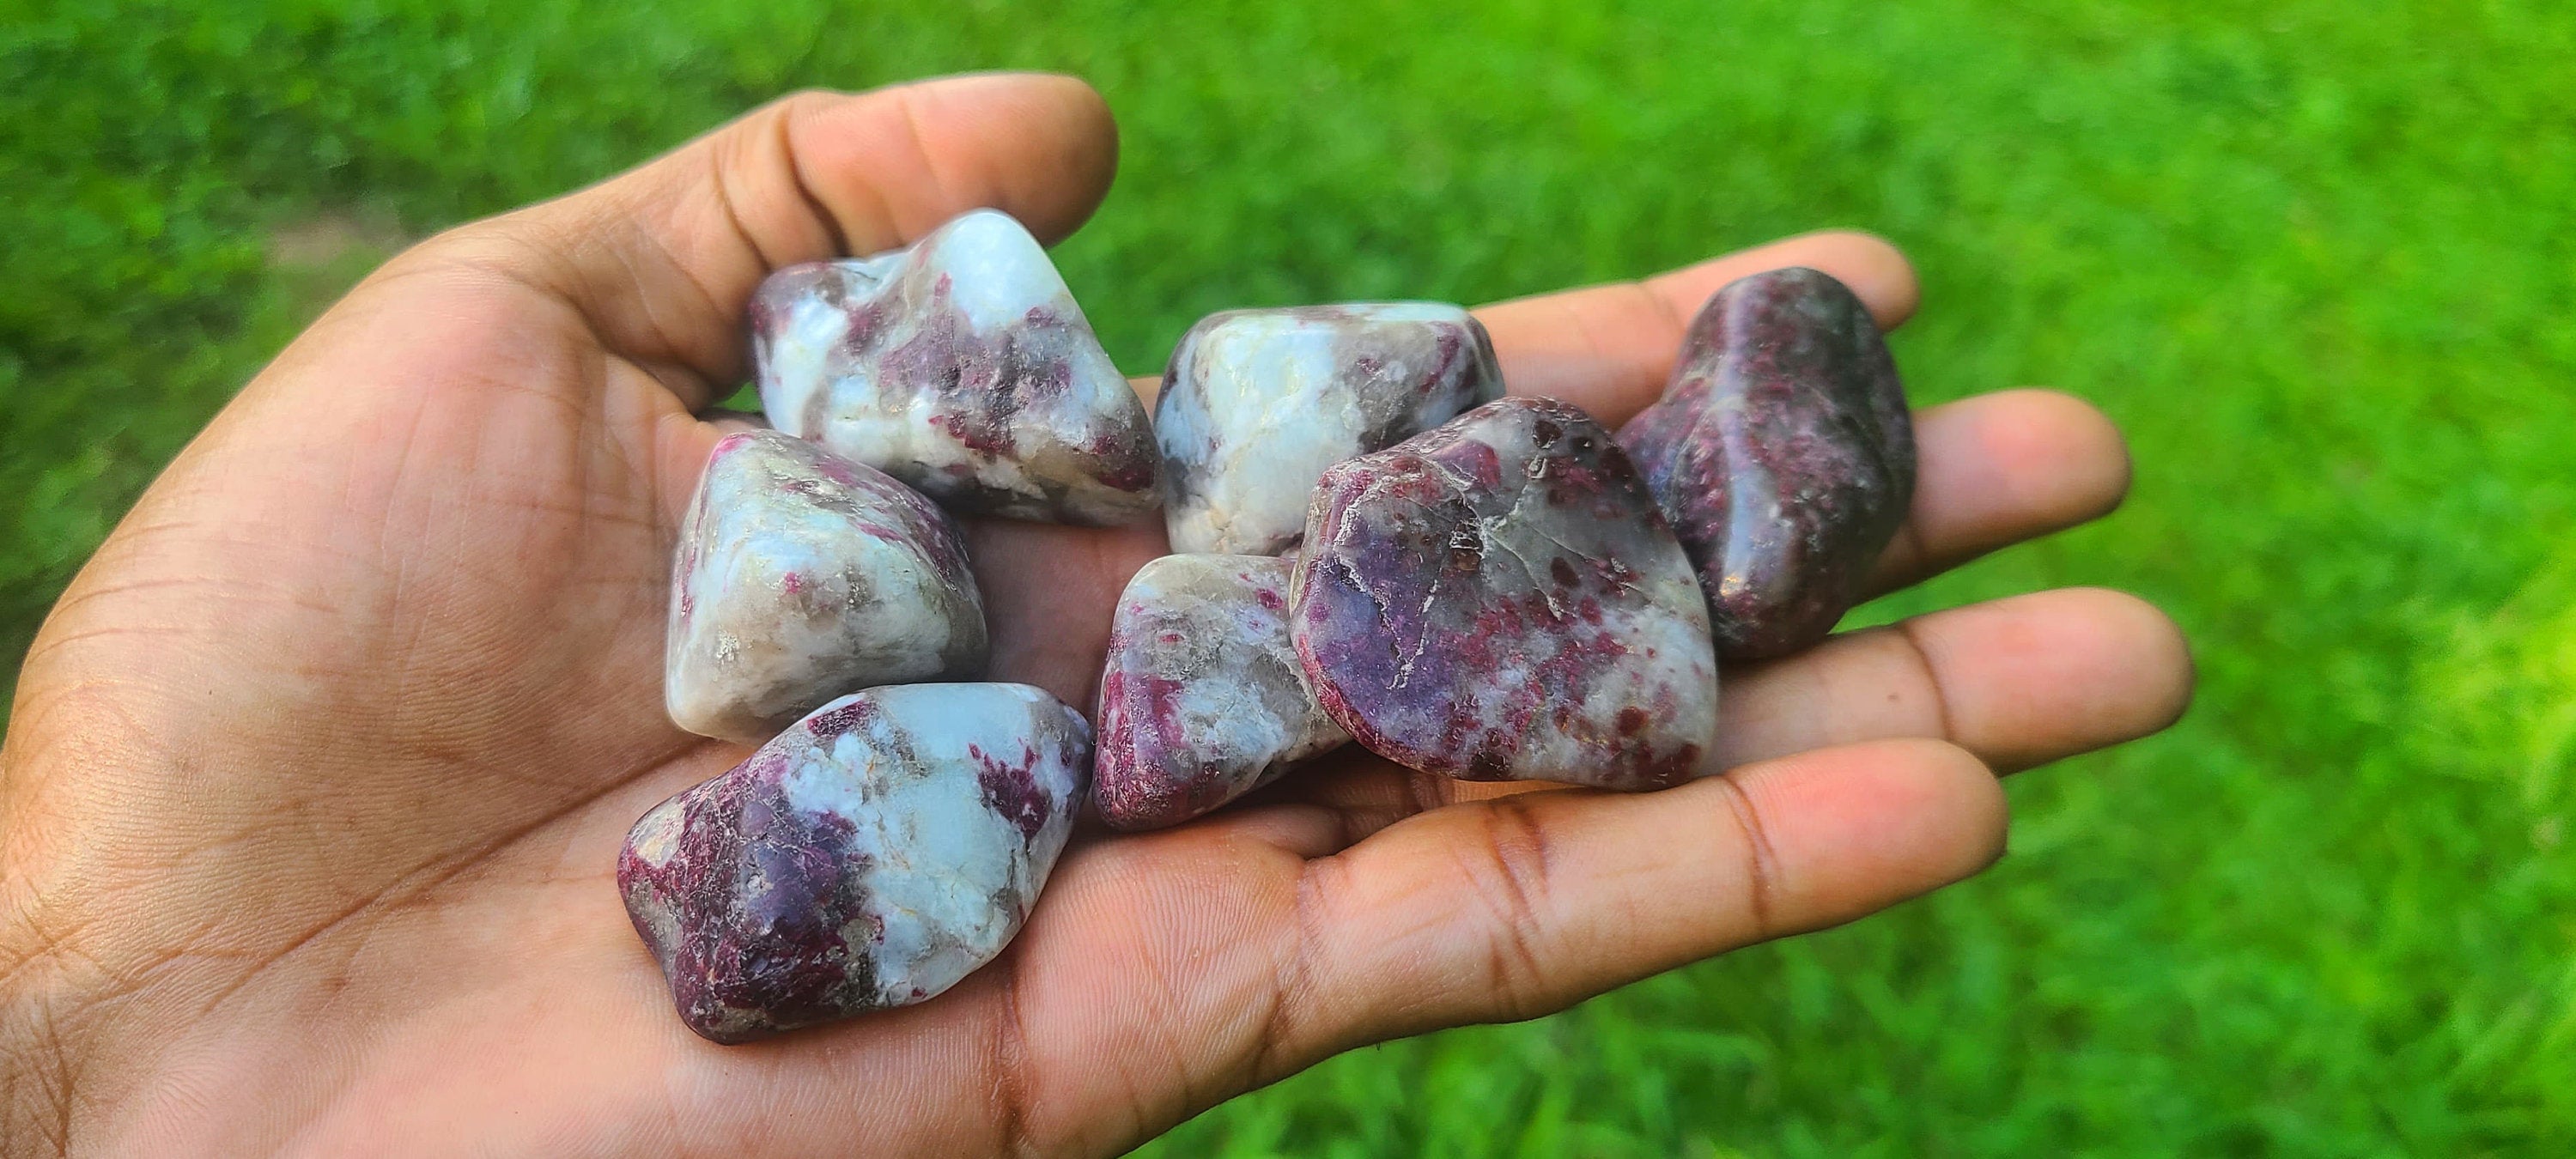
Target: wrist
x,y
62,991
39,1062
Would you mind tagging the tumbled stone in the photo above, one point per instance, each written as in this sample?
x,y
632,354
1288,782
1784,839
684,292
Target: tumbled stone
x,y
1498,600
1257,403
870,857
1202,700
961,366
802,576
1783,455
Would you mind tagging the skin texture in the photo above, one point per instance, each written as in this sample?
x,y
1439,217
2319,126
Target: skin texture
x,y
316,780
1783,455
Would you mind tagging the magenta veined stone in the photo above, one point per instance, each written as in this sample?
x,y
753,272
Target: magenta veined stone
x,y
801,576
962,366
871,856
1201,699
1499,600
1783,455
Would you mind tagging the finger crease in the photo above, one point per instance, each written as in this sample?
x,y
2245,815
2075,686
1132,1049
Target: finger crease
x,y
941,194
1271,1058
1423,792
797,180
1906,558
1518,846
723,189
1761,863
1942,719
1008,1059
1664,307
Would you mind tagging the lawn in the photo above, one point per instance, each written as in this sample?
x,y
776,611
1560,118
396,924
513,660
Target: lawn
x,y
2316,263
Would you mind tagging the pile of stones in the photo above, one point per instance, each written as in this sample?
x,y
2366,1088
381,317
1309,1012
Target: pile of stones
x,y
1374,545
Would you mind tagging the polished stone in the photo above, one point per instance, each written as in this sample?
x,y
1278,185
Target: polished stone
x,y
1783,455
1499,600
1201,700
962,366
871,856
801,576
1257,403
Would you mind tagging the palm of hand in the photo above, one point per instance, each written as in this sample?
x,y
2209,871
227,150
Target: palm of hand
x,y
317,775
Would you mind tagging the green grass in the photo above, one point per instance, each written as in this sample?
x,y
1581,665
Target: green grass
x,y
2316,262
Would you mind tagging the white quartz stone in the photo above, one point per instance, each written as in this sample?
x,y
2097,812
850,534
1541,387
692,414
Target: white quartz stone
x,y
872,856
963,367
1257,403
1201,701
801,577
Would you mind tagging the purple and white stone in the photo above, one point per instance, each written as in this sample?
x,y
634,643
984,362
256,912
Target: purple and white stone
x,y
962,366
1257,403
1782,453
1202,700
802,576
874,854
1499,600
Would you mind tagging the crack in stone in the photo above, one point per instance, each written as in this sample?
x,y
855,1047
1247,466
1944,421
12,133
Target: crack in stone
x,y
1378,602
1529,571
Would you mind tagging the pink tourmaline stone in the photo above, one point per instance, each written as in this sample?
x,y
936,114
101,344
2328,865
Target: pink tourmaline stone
x,y
802,576
961,366
1257,403
1498,600
1783,455
1201,701
874,854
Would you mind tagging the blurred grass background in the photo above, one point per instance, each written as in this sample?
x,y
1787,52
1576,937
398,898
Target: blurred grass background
x,y
2314,257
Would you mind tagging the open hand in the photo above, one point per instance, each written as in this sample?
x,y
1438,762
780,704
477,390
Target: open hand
x,y
314,787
